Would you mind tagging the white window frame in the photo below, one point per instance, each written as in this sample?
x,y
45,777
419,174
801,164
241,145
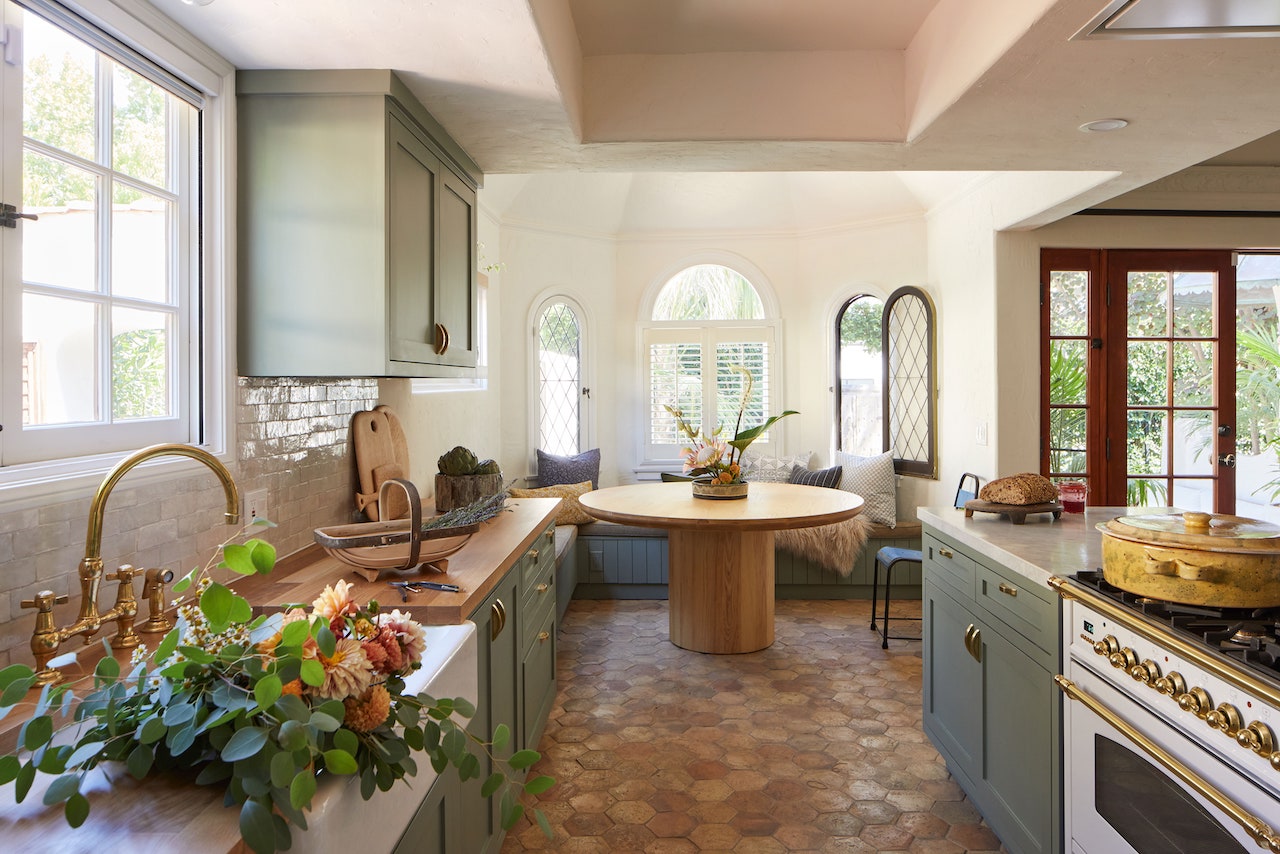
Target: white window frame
x,y
655,458
209,381
586,409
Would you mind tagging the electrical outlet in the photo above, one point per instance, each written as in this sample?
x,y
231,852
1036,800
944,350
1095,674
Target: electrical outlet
x,y
981,437
255,507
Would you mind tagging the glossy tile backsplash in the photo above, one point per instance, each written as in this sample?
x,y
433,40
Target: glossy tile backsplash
x,y
291,437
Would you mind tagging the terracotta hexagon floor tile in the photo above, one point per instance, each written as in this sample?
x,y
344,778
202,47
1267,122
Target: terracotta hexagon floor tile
x,y
714,836
973,837
677,824
799,837
887,836
630,812
670,846
587,824
754,824
712,812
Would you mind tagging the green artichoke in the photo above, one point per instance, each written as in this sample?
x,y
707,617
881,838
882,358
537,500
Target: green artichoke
x,y
487,467
458,462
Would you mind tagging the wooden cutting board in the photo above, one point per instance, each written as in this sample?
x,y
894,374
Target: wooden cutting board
x,y
1016,513
382,453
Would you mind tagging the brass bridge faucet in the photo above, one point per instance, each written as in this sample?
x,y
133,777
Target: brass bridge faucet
x,y
47,637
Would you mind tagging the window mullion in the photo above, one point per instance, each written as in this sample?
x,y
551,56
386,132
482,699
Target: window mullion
x,y
102,133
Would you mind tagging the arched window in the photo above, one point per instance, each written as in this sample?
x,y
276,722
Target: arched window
x,y
706,320
562,394
859,389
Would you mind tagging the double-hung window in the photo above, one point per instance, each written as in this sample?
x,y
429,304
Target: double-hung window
x,y
100,157
707,320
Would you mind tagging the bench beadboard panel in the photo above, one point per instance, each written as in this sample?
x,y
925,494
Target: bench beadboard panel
x,y
635,567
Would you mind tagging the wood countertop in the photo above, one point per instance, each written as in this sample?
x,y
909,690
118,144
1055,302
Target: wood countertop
x,y
170,813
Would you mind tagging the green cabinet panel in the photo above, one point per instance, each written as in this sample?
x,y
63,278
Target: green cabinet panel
x,y
357,230
990,705
436,827
538,674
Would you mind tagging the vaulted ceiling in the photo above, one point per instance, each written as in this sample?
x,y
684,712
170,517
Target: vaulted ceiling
x,y
915,88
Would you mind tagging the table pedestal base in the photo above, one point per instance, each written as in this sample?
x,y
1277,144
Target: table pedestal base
x,y
720,590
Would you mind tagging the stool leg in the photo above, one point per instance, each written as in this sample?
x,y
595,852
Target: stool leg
x,y
875,583
888,575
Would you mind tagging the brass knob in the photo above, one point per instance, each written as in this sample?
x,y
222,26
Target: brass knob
x,y
533,553
44,600
1225,718
946,552
542,636
1258,738
1008,589
1196,701
1126,659
542,588
1172,684
1107,645
1147,672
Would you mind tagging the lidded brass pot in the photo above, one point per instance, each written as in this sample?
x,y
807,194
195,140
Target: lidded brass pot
x,y
1217,561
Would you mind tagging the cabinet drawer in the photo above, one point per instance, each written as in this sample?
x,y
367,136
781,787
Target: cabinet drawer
x,y
1022,605
538,591
540,555
538,675
948,566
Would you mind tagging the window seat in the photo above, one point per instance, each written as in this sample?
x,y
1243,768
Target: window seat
x,y
613,561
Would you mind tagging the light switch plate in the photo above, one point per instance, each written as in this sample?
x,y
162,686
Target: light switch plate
x,y
981,436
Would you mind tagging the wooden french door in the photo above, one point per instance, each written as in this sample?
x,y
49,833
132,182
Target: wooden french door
x,y
1138,387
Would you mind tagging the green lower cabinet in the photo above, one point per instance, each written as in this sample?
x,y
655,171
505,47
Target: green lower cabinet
x,y
538,677
497,633
436,828
990,704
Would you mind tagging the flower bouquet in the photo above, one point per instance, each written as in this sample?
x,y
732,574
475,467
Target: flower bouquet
x,y
259,706
712,460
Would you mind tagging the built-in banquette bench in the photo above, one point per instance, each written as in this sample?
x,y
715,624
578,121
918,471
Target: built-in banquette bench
x,y
604,560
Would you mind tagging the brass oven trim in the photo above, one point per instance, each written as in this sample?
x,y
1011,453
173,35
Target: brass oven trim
x,y
1253,825
1179,645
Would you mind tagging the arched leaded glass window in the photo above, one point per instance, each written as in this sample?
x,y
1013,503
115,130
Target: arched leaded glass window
x,y
560,385
706,320
859,387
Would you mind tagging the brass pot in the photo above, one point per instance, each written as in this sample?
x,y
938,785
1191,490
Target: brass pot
x,y
1194,558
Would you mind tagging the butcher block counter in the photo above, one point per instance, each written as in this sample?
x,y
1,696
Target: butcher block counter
x,y
169,812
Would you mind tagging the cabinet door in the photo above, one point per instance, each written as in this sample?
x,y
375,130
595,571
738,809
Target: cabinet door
x,y
1020,753
952,681
538,675
456,303
498,703
434,828
413,177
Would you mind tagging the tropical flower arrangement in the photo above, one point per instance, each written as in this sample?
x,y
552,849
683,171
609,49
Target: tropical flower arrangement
x,y
259,705
710,459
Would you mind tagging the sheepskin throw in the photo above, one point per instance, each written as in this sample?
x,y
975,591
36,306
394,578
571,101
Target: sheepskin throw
x,y
834,547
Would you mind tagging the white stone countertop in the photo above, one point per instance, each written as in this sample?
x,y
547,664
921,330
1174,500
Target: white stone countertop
x,y
1040,547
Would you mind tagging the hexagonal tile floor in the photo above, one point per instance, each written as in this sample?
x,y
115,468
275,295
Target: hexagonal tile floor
x,y
811,745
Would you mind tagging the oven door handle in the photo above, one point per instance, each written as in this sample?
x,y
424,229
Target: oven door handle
x,y
1254,826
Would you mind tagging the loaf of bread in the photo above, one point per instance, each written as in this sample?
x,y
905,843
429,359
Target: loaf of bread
x,y
1025,488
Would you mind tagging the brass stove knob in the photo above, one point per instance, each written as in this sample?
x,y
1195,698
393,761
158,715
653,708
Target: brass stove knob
x,y
1225,718
1126,659
1172,684
1258,738
1106,646
1147,672
1196,701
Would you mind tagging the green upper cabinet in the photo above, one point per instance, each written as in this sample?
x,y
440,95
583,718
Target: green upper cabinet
x,y
357,238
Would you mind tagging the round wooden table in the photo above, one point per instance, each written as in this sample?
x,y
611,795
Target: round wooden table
x,y
720,553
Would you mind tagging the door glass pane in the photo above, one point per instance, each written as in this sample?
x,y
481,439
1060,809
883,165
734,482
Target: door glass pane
x,y
59,248
861,378
559,380
1148,373
139,128
60,357
1068,371
1147,492
1146,442
1193,305
1069,296
1067,440
1257,425
139,244
58,88
1147,807
139,364
1193,442
1193,494
1193,373
1148,304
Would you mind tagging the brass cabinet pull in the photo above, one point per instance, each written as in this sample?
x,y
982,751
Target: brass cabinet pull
x,y
543,636
1253,825
973,642
543,587
1008,589
533,554
498,619
442,339
946,552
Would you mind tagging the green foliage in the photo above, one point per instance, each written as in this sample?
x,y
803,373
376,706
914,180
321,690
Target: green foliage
x,y
860,324
139,374
226,693
457,462
708,292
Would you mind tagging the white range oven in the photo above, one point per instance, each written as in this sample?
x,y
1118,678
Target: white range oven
x,y
1171,716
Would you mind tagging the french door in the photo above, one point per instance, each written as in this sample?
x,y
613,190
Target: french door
x,y
1139,375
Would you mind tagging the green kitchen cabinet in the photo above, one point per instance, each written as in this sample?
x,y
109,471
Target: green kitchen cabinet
x,y
516,629
357,237
990,706
436,827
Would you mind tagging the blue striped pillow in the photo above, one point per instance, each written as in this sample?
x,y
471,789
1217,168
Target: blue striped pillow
x,y
829,478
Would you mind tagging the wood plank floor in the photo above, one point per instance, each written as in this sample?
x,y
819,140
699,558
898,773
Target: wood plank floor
x,y
811,745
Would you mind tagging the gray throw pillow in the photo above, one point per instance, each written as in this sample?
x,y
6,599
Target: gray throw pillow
x,y
873,479
773,469
829,478
554,470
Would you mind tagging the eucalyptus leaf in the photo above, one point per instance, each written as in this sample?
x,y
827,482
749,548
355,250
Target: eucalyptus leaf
x,y
152,730
295,633
455,745
302,789
241,612
76,810
469,767
501,735
22,783
167,645
492,784
140,761
9,767
522,759
464,707
36,732
215,603
292,736
345,739
13,673
324,722
108,668
293,707
61,789
282,770
256,828
181,739
197,655
179,713
539,784
262,555
326,641
235,557
543,824
245,743
340,762
267,691
312,672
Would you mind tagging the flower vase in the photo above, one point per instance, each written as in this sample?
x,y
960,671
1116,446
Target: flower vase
x,y
720,491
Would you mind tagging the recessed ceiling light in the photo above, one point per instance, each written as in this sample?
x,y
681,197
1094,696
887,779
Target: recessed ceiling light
x,y
1103,125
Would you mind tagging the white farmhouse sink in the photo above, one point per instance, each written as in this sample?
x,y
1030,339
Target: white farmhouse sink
x,y
340,820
